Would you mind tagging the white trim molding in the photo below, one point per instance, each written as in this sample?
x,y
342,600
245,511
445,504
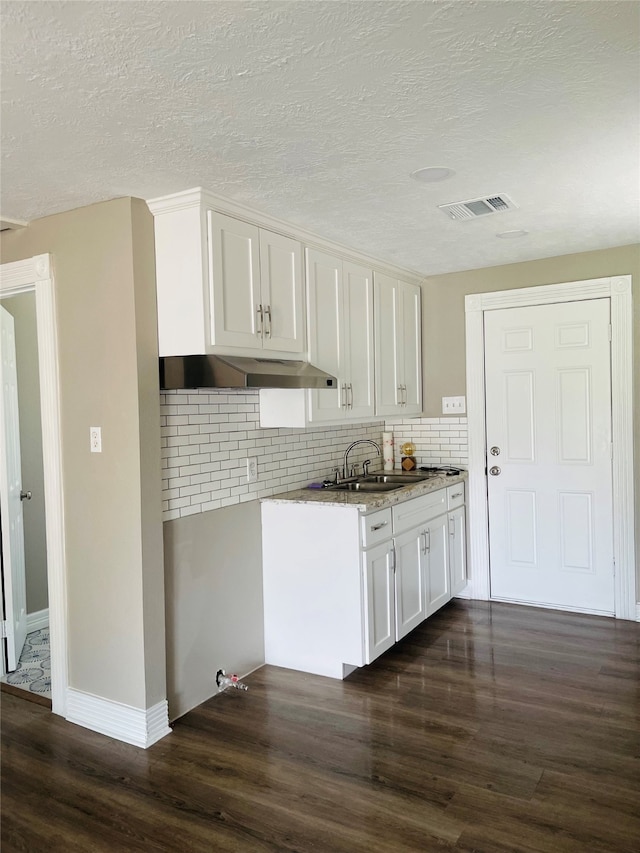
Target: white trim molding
x,y
36,274
136,726
37,620
618,290
198,197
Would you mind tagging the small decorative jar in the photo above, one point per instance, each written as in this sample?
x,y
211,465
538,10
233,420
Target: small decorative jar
x,y
408,459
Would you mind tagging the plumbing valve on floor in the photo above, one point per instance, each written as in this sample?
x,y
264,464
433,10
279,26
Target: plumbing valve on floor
x,y
225,681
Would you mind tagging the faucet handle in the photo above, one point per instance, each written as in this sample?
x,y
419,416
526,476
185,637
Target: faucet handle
x,y
365,467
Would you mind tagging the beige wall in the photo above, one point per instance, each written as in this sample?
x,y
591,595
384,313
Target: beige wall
x,y
213,568
444,323
103,268
23,310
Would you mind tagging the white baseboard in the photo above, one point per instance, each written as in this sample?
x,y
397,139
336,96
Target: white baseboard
x,y
122,722
37,620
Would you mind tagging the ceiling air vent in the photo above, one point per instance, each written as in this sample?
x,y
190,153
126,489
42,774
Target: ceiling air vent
x,y
475,207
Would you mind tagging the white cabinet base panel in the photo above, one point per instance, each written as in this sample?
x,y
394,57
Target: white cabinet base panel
x,y
311,593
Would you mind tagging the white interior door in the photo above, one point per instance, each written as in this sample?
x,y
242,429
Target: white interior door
x,y
548,420
13,567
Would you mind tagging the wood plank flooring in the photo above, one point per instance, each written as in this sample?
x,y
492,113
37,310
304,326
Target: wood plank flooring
x,y
492,728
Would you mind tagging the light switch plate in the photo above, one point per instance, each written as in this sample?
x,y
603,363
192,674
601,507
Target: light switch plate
x,y
454,405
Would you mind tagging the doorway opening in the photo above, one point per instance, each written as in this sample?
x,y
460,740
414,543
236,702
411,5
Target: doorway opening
x,y
34,276
26,653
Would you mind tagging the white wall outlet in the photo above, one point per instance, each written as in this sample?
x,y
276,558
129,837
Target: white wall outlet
x,y
252,469
95,439
454,405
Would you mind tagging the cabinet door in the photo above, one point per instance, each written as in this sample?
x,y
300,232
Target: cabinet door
x,y
388,366
379,594
234,296
457,550
326,322
410,581
411,339
358,341
282,293
438,586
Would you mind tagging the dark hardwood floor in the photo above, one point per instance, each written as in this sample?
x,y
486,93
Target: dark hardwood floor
x,y
490,729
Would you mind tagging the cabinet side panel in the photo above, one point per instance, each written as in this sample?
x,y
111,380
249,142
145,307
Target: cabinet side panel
x,y
312,587
179,282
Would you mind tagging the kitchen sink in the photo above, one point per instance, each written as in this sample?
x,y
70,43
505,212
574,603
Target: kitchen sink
x,y
403,479
367,486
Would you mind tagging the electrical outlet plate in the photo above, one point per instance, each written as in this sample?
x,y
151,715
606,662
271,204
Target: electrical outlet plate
x,y
252,469
454,405
95,439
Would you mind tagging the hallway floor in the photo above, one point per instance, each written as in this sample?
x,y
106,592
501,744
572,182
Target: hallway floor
x,y
34,667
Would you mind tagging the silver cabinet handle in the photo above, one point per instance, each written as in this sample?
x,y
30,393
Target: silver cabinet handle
x,y
423,536
404,388
494,471
350,403
25,496
267,314
452,527
379,526
399,395
260,325
457,495
392,561
343,396
427,541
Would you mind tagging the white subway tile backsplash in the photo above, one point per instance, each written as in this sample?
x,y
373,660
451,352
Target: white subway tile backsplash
x,y
206,436
437,440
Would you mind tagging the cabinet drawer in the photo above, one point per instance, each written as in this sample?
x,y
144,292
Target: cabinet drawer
x,y
414,512
376,527
455,495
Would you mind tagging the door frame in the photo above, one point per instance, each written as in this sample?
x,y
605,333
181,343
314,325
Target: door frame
x,y
36,275
618,290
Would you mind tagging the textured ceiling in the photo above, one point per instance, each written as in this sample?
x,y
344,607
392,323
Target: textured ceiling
x,y
317,112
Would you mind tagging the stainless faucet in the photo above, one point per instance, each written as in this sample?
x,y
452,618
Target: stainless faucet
x,y
345,467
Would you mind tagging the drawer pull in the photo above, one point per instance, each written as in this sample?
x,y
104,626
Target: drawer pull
x,y
378,526
457,495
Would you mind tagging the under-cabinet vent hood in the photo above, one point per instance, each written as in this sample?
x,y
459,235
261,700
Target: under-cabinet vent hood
x,y
226,371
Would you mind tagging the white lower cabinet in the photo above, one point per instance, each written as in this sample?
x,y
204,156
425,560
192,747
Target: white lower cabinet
x,y
341,587
380,596
457,550
411,594
437,564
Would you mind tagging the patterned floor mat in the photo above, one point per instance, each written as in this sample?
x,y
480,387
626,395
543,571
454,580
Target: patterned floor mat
x,y
34,668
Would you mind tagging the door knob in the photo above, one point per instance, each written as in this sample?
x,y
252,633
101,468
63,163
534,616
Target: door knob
x,y
494,471
25,496
495,451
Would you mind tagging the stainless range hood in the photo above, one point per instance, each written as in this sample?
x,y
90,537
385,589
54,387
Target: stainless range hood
x,y
226,371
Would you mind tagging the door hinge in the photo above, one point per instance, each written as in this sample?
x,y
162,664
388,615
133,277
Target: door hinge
x,y
3,629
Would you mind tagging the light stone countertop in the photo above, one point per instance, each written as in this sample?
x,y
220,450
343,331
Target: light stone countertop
x,y
368,501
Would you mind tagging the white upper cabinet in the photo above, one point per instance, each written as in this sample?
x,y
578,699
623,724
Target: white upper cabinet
x,y
340,306
398,350
257,287
223,284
